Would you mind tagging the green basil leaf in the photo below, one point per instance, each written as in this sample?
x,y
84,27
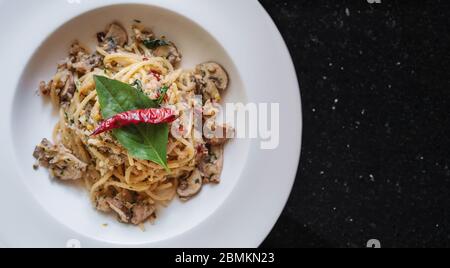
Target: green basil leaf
x,y
155,43
138,85
117,97
143,141
162,94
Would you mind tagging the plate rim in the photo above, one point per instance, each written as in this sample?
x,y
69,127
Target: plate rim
x,y
190,237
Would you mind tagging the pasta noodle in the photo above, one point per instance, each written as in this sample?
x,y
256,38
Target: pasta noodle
x,y
117,181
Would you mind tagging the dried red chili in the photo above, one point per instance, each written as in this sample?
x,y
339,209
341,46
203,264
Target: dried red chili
x,y
148,116
156,75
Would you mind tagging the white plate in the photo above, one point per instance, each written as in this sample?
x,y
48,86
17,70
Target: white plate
x,y
240,212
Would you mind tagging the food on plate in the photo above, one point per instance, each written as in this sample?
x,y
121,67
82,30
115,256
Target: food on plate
x,y
127,123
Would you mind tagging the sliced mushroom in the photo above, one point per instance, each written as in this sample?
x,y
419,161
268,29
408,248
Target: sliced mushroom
x,y
69,89
187,81
65,86
141,33
76,51
44,88
201,152
61,163
102,204
127,196
115,36
170,52
87,63
126,205
220,134
120,208
81,61
211,165
190,186
211,78
141,212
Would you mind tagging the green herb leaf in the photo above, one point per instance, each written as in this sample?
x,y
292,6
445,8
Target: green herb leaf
x,y
138,84
77,85
155,43
162,94
143,141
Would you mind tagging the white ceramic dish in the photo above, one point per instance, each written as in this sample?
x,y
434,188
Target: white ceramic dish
x,y
239,212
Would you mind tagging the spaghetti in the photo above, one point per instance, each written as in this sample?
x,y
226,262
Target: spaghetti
x,y
118,183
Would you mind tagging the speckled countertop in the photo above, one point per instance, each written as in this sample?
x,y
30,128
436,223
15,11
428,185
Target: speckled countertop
x,y
375,86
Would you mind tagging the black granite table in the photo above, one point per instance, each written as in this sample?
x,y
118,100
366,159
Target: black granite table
x,y
375,86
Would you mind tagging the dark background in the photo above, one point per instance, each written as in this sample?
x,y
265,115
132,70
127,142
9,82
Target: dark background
x,y
374,81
